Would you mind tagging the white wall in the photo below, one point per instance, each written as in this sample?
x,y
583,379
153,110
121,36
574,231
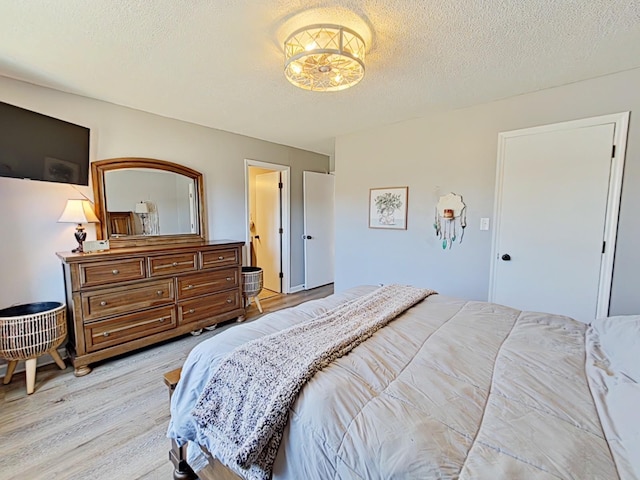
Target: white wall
x,y
457,152
29,234
167,192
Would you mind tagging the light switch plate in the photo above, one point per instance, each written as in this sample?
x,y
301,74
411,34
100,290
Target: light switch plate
x,y
484,224
95,245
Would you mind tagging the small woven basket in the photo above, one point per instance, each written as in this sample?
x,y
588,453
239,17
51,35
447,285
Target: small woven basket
x,y
30,330
251,281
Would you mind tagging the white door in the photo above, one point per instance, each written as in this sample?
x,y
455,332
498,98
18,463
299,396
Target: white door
x,y
318,235
552,207
267,229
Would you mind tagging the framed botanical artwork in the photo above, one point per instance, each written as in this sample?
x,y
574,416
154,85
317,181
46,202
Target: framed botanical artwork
x,y
388,207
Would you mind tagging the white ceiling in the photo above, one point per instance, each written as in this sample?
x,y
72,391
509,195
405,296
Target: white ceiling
x,y
219,63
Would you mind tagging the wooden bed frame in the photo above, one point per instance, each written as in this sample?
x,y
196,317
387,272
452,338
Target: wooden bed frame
x,y
178,455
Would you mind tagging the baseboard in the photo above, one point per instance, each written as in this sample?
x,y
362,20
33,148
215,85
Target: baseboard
x,y
296,289
45,359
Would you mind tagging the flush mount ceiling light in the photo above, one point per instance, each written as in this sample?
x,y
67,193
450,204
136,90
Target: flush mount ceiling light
x,y
324,58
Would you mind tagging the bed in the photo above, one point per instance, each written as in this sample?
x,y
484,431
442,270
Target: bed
x,y
447,389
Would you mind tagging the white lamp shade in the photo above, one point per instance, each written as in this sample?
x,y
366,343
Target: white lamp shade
x,y
142,207
78,211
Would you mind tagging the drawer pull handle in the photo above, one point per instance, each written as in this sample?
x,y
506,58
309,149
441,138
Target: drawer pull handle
x,y
115,271
159,293
229,300
103,303
228,279
189,264
128,327
191,310
220,257
189,286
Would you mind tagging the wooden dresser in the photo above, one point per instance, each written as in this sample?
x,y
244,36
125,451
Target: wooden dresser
x,y
127,298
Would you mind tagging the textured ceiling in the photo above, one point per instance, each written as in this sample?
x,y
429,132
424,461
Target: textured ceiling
x,y
219,63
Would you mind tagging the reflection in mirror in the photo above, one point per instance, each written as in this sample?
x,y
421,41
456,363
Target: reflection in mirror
x,y
144,201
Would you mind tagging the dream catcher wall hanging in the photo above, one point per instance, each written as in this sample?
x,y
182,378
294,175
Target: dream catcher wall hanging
x,y
450,220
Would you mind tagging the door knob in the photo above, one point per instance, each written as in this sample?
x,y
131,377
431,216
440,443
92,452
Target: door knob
x,y
506,257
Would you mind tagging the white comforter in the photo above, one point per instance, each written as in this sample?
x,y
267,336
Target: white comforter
x,y
450,389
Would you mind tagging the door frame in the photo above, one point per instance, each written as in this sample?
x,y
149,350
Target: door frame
x,y
285,177
621,121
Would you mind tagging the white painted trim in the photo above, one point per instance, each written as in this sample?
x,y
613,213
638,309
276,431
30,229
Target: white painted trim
x,y
285,170
621,121
297,288
497,214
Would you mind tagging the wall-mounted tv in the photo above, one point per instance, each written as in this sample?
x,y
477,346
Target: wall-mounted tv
x,y
39,147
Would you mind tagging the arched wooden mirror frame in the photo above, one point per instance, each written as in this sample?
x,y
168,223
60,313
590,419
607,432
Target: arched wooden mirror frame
x,y
98,170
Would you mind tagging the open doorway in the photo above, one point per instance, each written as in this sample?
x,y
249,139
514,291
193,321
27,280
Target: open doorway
x,y
267,224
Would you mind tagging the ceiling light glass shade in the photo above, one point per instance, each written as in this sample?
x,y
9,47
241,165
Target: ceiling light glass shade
x,y
324,58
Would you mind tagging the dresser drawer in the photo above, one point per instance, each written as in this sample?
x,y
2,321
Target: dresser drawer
x,y
118,300
220,258
125,328
209,306
171,264
102,273
209,282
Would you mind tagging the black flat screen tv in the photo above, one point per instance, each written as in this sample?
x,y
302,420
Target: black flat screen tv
x,y
39,147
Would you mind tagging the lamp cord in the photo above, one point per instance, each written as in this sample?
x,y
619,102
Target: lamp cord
x,y
85,197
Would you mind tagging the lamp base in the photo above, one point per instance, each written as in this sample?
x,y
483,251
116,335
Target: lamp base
x,y
81,236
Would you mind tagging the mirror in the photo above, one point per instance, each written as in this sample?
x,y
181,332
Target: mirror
x,y
142,201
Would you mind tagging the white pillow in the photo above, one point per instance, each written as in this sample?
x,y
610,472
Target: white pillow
x,y
620,340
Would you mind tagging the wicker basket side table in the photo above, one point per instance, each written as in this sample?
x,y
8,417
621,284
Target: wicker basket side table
x,y
252,282
29,331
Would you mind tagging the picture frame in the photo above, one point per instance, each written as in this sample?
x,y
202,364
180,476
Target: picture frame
x,y
388,208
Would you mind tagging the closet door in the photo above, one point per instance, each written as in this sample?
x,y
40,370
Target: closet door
x,y
319,219
552,211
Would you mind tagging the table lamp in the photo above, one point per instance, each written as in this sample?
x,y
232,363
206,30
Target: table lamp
x,y
78,212
142,209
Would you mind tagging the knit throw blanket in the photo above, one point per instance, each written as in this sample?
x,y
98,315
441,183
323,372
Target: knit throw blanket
x,y
244,406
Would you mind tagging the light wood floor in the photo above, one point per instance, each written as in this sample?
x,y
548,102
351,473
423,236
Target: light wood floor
x,y
266,293
110,424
